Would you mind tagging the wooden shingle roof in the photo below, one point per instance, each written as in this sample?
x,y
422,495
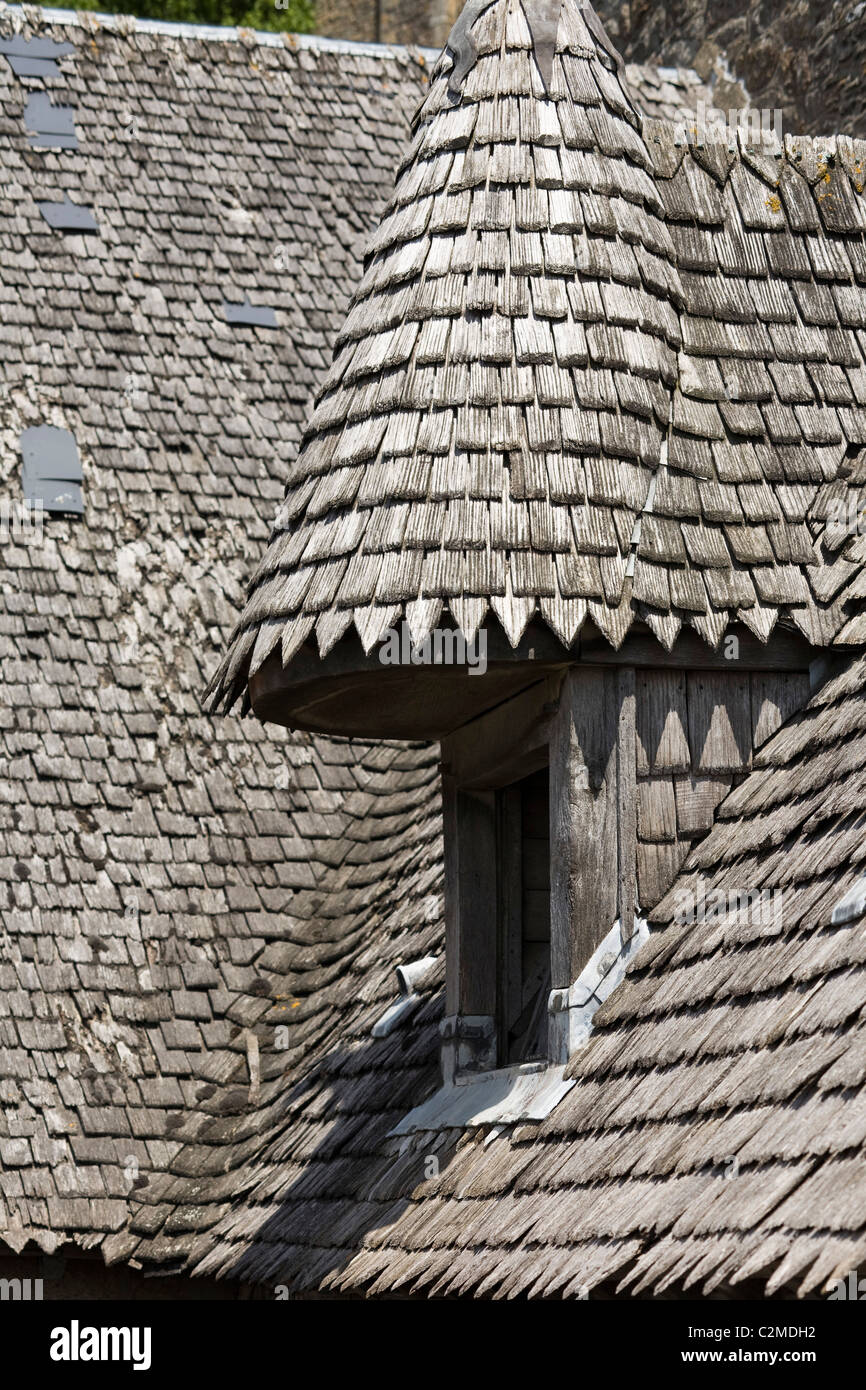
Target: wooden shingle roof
x,y
591,370
174,885
159,868
154,860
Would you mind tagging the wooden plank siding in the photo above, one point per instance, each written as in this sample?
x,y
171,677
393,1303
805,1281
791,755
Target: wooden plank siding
x,y
639,762
696,733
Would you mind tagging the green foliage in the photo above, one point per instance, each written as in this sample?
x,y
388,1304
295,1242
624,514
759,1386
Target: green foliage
x,y
296,16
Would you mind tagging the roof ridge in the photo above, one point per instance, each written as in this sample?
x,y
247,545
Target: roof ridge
x,y
125,24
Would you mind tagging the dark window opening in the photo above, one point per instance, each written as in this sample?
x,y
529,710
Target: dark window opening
x,y
524,918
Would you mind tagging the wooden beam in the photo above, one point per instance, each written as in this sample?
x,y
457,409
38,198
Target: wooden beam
x,y
506,743
626,790
783,651
583,819
510,915
451,895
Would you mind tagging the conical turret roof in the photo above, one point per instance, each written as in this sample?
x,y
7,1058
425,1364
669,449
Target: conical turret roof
x,y
500,391
568,383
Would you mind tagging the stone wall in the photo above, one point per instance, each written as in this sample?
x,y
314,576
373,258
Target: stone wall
x,y
426,23
802,56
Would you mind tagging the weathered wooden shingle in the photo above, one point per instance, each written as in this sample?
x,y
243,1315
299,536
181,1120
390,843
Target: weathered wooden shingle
x,y
179,890
734,1049
155,863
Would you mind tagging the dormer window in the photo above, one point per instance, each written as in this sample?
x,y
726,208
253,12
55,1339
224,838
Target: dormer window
x,y
504,445
540,862
552,818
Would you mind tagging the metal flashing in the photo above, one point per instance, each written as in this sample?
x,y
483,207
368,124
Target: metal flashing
x,y
542,16
572,1010
229,34
34,57
69,217
461,44
51,474
508,1096
408,976
394,1015
48,125
252,315
852,906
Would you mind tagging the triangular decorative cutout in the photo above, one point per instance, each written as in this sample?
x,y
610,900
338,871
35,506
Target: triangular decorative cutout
x,y
372,623
330,627
422,615
564,616
468,614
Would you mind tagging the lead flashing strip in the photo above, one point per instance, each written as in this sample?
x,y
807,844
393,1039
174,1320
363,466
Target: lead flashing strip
x,y
572,1010
250,315
34,57
49,126
508,1096
852,906
69,217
